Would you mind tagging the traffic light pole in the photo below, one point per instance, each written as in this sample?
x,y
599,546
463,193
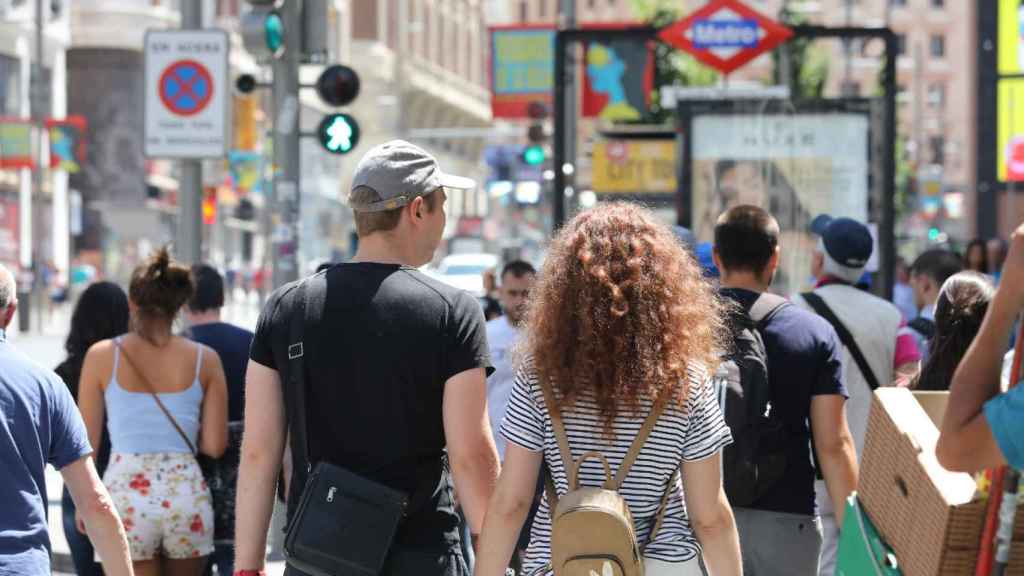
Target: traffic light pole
x,y
190,199
285,200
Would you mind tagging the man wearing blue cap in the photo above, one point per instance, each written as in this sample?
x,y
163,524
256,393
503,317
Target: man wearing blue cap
x,y
877,343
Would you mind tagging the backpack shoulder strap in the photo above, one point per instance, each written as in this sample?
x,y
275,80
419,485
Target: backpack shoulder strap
x,y
558,426
638,442
765,307
821,308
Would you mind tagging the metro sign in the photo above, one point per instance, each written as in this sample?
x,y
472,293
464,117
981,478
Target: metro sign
x,y
725,34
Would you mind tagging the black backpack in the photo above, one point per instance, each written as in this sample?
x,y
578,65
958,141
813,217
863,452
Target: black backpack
x,y
756,459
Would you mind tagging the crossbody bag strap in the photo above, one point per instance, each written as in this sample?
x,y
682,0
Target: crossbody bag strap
x,y
817,303
310,296
152,392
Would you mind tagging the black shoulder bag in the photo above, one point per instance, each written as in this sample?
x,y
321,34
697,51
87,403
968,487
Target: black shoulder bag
x,y
344,524
818,304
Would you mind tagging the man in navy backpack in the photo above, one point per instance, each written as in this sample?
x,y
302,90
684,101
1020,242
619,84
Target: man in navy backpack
x,y
784,379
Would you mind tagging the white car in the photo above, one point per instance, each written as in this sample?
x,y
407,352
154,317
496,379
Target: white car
x,y
466,271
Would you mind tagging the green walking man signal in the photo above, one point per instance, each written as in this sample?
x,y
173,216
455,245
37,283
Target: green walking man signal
x,y
338,133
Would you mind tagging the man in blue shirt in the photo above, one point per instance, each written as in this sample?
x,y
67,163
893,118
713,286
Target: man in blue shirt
x,y
984,426
232,345
40,425
781,532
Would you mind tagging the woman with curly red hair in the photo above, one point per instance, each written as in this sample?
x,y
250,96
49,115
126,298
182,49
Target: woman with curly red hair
x,y
621,321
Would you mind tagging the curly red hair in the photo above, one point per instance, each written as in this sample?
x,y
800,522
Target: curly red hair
x,y
621,309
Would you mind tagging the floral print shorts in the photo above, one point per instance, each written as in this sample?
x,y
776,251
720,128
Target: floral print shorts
x,y
164,504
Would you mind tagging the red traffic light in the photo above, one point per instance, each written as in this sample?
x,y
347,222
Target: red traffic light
x,y
338,85
537,110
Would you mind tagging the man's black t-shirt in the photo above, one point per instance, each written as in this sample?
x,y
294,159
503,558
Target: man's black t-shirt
x,y
804,360
389,340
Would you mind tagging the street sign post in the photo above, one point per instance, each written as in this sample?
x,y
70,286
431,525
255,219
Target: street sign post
x,y
725,34
186,106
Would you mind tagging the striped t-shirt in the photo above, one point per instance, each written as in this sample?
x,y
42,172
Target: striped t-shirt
x,y
682,434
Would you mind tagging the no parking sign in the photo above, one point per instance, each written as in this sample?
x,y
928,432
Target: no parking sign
x,y
186,94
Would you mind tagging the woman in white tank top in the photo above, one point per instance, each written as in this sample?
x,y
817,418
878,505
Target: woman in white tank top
x,y
620,319
164,398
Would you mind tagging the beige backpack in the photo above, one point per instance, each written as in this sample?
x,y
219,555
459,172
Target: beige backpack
x,y
592,531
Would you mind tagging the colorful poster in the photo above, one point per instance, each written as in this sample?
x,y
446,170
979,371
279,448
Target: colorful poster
x,y
522,69
617,80
67,143
9,253
634,167
1011,37
15,143
1010,129
246,170
796,166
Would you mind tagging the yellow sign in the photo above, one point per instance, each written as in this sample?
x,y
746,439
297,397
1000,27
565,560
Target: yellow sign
x,y
1011,37
634,167
1010,129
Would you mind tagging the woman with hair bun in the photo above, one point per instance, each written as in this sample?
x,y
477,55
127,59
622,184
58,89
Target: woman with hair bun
x,y
164,398
621,324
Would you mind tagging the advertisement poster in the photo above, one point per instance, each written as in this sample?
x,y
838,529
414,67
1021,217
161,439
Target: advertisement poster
x,y
796,166
634,167
67,143
522,69
1011,37
617,80
9,232
15,143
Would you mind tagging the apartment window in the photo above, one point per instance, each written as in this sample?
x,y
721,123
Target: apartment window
x,y
897,3
938,46
938,3
937,146
937,96
901,44
542,6
524,11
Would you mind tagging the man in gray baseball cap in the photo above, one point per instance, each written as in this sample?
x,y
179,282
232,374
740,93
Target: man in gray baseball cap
x,y
395,368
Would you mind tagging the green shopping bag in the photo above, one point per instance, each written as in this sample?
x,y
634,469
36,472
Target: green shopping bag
x,y
861,549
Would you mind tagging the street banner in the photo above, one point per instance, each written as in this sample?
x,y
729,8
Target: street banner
x,y
634,167
16,143
246,169
67,143
186,94
796,166
522,69
1011,37
618,77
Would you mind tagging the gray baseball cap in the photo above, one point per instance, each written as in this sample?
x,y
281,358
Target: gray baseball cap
x,y
399,172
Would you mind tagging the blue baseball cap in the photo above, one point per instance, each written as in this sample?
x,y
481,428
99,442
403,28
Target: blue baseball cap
x,y
704,256
846,240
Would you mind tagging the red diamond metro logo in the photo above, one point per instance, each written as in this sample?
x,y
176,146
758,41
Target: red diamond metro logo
x,y
725,34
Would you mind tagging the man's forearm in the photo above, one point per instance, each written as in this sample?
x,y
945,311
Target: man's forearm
x,y
475,478
257,480
839,467
978,378
108,537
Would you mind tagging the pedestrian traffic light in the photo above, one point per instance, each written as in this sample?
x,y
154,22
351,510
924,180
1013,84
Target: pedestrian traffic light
x,y
262,29
534,155
338,85
338,133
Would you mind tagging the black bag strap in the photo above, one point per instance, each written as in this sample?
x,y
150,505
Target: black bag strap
x,y
310,296
818,305
924,327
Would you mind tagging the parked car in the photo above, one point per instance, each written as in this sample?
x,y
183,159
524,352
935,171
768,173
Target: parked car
x,y
466,271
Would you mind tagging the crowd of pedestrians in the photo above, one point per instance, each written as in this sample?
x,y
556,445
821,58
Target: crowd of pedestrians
x,y
617,412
